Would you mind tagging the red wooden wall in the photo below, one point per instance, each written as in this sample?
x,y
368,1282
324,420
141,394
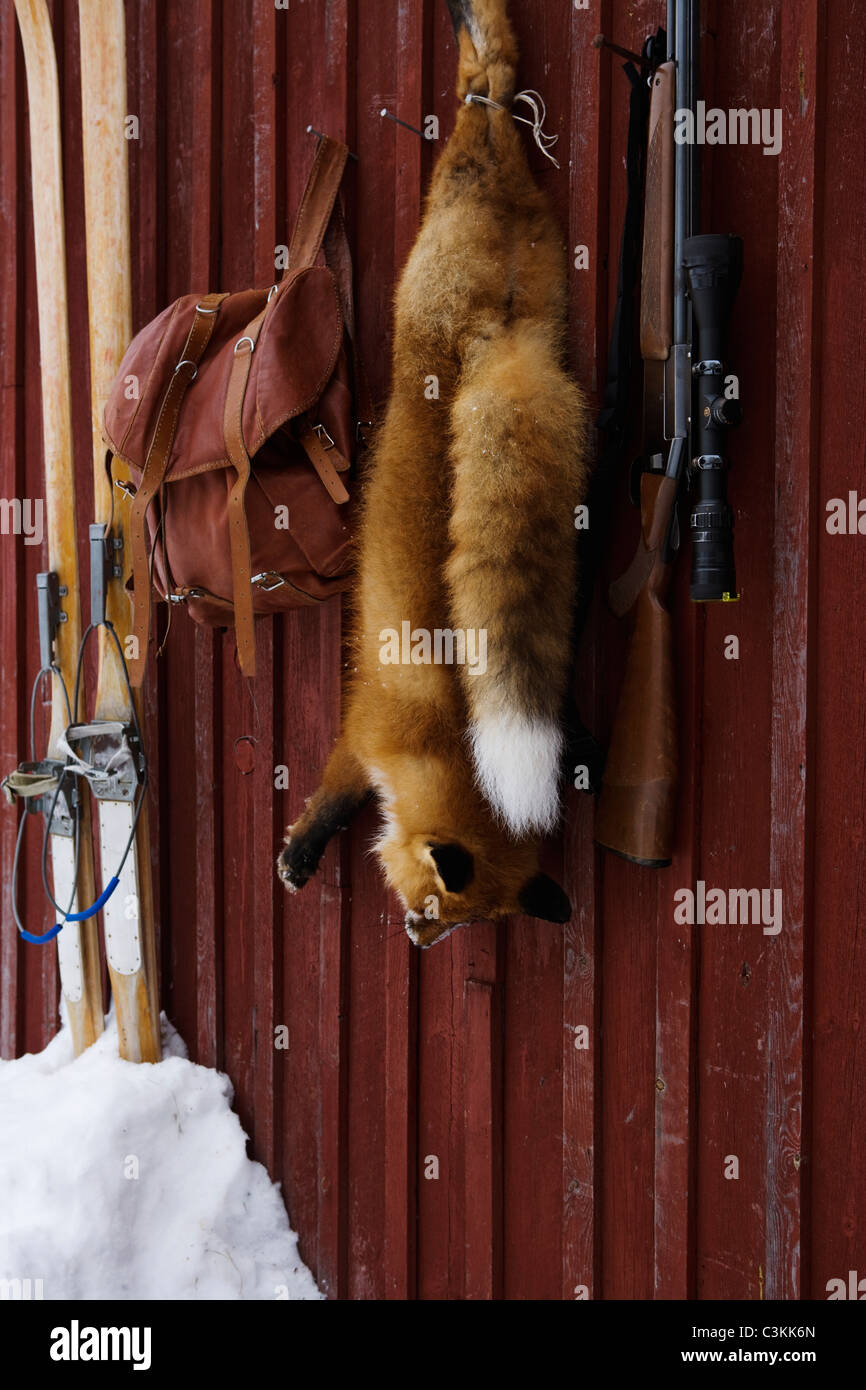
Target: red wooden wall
x,y
558,1167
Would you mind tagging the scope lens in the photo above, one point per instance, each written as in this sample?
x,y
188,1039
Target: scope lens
x,y
714,577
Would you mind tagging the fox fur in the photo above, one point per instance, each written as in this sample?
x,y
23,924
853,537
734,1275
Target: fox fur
x,y
468,523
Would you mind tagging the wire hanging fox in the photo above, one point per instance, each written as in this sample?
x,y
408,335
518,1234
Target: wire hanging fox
x,y
467,527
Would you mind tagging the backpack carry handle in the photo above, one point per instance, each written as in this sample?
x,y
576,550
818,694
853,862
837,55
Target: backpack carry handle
x,y
317,204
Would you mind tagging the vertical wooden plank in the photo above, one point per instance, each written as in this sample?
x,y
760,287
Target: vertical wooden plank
x,y
303,750
146,79
835,1143
209,977
400,1117
245,703
375,916
441,972
314,1147
400,961
332,102
145,76
314,995
482,1168
204,88
266,23
179,169
737,962
587,136
678,946
627,896
793,765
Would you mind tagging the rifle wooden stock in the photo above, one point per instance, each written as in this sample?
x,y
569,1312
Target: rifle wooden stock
x,y
635,815
656,309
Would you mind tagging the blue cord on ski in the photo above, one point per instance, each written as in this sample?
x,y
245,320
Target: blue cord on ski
x,y
40,938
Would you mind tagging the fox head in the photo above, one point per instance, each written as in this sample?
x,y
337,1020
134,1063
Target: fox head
x,y
452,863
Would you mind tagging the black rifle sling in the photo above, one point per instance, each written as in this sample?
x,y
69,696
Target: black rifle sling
x,y
614,417
583,747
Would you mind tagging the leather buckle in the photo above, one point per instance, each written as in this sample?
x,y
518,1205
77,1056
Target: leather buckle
x,y
129,489
268,580
323,435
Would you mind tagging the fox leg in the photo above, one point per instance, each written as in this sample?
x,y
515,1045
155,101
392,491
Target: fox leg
x,y
344,789
488,51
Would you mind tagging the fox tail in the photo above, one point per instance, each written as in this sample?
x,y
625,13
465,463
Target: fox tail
x,y
517,450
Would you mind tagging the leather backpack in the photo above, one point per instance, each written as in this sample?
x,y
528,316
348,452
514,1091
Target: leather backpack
x,y
240,440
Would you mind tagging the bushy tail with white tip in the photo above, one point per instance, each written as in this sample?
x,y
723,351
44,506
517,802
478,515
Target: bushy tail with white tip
x,y
517,451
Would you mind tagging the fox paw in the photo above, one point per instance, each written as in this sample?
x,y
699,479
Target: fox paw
x,y
297,864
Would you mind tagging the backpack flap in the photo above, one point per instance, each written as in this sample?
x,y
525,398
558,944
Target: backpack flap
x,y
294,359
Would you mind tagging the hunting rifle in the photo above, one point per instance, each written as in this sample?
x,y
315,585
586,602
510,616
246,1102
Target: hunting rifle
x,y
688,285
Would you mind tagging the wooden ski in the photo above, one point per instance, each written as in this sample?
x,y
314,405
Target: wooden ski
x,y
77,943
130,939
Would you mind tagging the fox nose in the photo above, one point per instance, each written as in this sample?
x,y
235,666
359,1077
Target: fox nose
x,y
415,923
424,933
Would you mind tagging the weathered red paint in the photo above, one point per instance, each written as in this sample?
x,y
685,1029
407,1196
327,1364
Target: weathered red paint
x,y
560,1169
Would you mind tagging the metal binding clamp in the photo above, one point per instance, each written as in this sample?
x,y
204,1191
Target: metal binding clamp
x,y
323,435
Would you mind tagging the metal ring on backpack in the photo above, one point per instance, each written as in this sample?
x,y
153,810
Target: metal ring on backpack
x,y
244,340
200,310
188,362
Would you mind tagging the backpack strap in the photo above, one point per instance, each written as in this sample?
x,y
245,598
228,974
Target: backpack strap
x,y
317,204
309,437
155,466
339,258
321,225
319,214
239,535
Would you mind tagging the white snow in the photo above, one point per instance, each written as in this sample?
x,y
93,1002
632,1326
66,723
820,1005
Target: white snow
x,y
127,1181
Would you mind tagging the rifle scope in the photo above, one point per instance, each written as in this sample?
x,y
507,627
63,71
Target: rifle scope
x,y
714,266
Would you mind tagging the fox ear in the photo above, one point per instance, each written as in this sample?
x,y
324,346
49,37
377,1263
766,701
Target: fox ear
x,y
454,865
541,897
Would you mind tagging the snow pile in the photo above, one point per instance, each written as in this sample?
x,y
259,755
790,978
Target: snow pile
x,y
126,1181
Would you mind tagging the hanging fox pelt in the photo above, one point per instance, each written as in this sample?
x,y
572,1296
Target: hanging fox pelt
x,y
463,621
